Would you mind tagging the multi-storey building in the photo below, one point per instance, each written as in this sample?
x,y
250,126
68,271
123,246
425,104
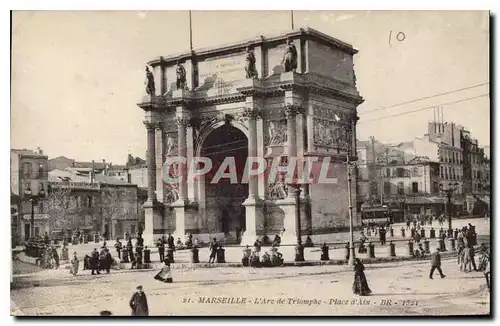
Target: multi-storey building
x,y
476,167
29,172
96,203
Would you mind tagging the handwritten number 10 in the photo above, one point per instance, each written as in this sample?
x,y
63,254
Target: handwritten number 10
x,y
400,36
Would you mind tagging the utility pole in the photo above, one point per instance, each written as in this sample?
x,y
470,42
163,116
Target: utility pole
x,y
351,224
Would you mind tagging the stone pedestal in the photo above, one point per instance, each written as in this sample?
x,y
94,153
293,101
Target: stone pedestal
x,y
181,214
254,214
152,213
181,93
289,207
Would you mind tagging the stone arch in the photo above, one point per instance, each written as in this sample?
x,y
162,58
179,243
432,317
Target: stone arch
x,y
212,127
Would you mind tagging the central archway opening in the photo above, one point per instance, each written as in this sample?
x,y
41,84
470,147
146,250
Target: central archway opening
x,y
224,197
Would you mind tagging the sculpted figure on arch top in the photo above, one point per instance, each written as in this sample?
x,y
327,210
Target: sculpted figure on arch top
x,y
289,61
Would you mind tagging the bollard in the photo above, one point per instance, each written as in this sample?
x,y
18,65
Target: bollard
x,y
325,255
347,251
452,244
392,249
221,256
147,255
299,252
410,249
96,238
403,232
170,255
455,234
427,247
422,233
392,232
432,234
195,255
371,250
124,256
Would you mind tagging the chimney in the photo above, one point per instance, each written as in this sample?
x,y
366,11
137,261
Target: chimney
x,y
104,168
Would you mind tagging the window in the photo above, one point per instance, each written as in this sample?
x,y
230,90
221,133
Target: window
x,y
445,173
400,173
414,187
401,188
89,201
435,187
387,188
414,172
27,170
40,170
388,173
40,207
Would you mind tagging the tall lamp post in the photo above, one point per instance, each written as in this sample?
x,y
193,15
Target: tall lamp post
x,y
452,187
350,166
34,199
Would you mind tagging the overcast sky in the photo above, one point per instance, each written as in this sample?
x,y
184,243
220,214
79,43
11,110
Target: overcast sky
x,y
77,76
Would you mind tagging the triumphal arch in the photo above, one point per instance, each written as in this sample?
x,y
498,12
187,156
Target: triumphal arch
x,y
273,98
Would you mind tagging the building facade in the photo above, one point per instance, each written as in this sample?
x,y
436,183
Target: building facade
x,y
94,203
29,170
242,99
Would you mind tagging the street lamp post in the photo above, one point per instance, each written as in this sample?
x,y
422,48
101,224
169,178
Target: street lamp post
x,y
351,227
299,249
449,193
33,199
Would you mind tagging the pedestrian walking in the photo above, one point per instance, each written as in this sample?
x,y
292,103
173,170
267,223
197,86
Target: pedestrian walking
x,y
75,264
436,264
118,247
139,303
382,233
94,262
161,249
55,255
360,284
213,250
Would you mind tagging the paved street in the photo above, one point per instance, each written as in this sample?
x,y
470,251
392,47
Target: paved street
x,y
286,290
405,283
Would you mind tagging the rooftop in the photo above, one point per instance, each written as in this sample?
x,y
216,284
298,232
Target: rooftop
x,y
258,40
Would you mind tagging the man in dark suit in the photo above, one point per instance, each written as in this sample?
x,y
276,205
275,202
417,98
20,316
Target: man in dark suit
x,y
436,264
138,303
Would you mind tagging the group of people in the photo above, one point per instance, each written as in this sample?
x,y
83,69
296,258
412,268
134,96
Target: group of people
x,y
96,261
49,258
259,258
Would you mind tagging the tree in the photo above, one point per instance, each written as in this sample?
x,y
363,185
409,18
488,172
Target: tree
x,y
114,204
62,208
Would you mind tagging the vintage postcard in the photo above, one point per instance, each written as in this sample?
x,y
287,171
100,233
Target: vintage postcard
x,y
250,163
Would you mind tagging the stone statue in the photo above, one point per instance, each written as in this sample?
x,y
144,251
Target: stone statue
x,y
272,133
172,193
250,65
170,144
289,61
150,82
181,76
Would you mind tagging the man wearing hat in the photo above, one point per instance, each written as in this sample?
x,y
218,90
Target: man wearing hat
x,y
436,263
138,303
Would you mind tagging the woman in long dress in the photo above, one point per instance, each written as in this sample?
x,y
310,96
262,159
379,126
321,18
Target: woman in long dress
x,y
75,264
360,285
165,275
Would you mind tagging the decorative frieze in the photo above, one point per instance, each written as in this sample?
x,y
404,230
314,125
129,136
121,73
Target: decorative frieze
x,y
275,132
331,134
